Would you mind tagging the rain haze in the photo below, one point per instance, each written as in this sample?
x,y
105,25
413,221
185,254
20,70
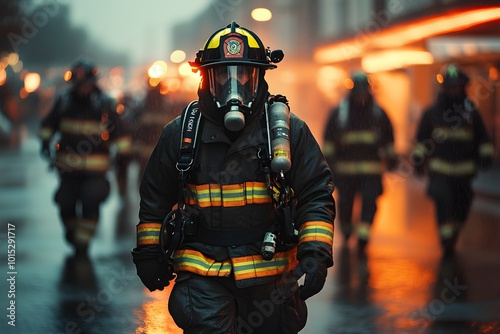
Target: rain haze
x,y
139,29
422,271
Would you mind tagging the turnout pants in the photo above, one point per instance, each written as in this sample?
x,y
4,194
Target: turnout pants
x,y
79,197
200,304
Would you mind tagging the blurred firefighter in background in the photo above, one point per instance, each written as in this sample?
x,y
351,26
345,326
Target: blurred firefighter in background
x,y
451,144
155,111
84,122
126,108
359,147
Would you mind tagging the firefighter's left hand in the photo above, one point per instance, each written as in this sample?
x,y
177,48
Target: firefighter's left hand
x,y
315,271
153,271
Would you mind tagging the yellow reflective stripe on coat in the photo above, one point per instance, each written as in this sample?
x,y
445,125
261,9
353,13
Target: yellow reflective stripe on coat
x,y
358,167
254,266
328,148
93,162
316,231
148,233
245,267
454,134
419,150
207,195
195,262
359,137
124,144
452,168
45,133
486,149
79,127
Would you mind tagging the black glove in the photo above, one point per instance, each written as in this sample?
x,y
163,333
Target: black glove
x,y
45,151
154,272
315,276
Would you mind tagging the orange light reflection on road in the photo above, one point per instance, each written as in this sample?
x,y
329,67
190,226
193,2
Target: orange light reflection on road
x,y
399,285
155,316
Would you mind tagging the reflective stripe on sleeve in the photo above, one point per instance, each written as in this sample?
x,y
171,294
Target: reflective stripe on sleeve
x,y
148,234
486,149
316,231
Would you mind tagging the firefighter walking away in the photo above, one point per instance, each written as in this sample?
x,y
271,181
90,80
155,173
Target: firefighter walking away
x,y
359,147
450,147
76,137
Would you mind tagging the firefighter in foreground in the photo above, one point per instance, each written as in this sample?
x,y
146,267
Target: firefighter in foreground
x,y
86,123
254,209
359,147
451,145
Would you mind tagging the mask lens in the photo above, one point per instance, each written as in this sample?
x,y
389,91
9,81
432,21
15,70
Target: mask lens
x,y
233,82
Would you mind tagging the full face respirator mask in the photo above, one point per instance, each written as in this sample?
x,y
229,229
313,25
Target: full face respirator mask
x,y
234,89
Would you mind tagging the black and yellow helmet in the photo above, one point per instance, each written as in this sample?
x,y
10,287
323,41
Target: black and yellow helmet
x,y
235,45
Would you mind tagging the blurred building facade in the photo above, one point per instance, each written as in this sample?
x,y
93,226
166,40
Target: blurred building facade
x,y
403,44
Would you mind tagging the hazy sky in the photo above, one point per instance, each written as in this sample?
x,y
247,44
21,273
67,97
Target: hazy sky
x,y
137,27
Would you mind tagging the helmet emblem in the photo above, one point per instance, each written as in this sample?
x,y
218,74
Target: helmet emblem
x,y
234,47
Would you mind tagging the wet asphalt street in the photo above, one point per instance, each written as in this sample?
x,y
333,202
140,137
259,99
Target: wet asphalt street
x,y
401,285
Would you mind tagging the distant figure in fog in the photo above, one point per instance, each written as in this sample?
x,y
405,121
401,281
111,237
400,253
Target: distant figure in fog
x,y
126,108
451,145
153,113
85,123
359,147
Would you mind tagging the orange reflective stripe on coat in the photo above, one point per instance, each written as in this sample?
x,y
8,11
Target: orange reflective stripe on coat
x,y
231,195
245,267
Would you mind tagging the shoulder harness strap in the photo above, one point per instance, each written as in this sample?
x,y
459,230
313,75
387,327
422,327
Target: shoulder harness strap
x,y
190,118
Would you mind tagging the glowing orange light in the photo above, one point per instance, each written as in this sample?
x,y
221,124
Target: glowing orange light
x,y
261,14
32,82
394,59
120,108
405,34
493,72
177,56
23,93
3,77
439,78
348,83
158,69
105,135
67,75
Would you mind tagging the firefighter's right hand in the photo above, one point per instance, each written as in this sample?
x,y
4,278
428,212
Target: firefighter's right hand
x,y
45,151
154,272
